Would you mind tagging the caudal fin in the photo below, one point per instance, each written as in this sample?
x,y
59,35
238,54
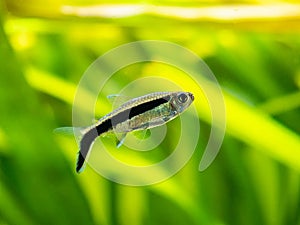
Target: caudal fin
x,y
86,143
64,130
86,137
80,163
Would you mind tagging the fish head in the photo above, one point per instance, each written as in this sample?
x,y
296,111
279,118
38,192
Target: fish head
x,y
182,100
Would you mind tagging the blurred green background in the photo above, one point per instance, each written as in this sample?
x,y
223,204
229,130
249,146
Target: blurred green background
x,y
253,48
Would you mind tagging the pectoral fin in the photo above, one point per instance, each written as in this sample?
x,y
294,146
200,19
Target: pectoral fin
x,y
142,134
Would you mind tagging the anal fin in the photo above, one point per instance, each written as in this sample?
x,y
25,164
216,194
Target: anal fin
x,y
120,138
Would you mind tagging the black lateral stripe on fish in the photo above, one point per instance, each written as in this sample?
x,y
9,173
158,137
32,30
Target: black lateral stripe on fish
x,y
140,113
139,109
106,125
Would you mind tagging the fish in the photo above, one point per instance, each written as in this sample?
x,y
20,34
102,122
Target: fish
x,y
140,113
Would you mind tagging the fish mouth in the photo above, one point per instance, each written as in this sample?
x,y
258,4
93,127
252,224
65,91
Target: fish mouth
x,y
191,96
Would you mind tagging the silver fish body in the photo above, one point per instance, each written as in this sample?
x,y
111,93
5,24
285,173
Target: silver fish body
x,y
140,113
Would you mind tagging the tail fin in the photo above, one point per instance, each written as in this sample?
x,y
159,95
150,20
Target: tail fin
x,y
86,143
64,130
86,136
80,163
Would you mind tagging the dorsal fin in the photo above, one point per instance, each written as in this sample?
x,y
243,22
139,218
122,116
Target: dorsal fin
x,y
117,100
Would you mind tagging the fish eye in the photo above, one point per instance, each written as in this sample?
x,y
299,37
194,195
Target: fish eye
x,y
182,98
